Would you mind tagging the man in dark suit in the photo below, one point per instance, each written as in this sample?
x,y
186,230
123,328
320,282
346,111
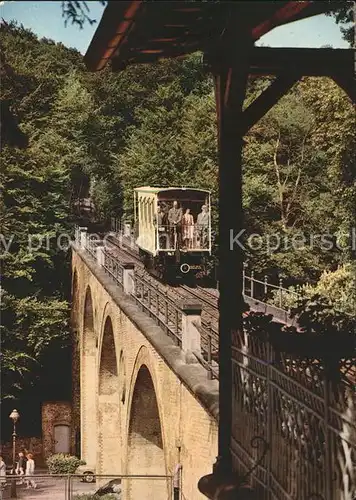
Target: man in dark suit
x,y
159,221
174,219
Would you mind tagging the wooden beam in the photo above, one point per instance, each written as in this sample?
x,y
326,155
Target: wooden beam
x,y
230,94
267,99
306,62
348,85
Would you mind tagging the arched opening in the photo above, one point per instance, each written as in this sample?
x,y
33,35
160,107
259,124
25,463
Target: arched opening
x,y
145,442
108,407
88,384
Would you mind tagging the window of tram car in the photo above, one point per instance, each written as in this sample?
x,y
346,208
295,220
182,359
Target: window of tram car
x,y
195,237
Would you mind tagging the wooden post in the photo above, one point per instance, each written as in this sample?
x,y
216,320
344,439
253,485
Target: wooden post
x,y
230,87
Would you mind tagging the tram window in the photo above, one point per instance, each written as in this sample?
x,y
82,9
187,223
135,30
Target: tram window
x,y
142,211
144,215
148,212
151,212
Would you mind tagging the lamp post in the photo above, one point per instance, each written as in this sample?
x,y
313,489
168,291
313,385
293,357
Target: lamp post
x,y
14,415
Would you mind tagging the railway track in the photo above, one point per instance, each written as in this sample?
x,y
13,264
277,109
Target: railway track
x,y
162,301
121,249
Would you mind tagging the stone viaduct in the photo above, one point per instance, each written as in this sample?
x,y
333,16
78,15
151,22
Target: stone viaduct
x,y
144,405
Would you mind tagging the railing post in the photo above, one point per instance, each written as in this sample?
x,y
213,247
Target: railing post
x,y
328,447
210,373
149,294
243,278
280,293
265,284
252,283
76,235
128,278
166,312
191,313
100,255
83,237
270,410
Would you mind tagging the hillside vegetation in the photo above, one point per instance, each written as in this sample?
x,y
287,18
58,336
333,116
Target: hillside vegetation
x,y
101,135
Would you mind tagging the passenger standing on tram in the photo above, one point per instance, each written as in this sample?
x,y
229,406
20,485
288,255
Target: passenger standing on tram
x,y
159,223
188,229
203,226
174,220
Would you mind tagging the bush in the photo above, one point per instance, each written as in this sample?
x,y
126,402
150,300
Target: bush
x,y
334,288
63,464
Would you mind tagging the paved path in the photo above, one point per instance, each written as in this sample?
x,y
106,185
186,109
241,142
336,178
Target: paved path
x,y
50,488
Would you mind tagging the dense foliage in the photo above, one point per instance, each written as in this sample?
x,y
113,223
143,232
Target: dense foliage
x,y
62,463
101,135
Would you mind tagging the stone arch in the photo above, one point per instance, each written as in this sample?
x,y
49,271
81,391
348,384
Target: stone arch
x,y
88,382
108,453
145,442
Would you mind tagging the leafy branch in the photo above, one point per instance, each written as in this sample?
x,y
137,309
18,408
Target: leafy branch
x,y
77,12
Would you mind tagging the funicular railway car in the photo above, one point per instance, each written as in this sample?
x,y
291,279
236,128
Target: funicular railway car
x,y
173,231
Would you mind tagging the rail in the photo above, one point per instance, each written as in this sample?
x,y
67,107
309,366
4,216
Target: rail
x,y
145,292
159,306
90,487
294,391
166,311
113,267
91,245
269,293
258,290
304,409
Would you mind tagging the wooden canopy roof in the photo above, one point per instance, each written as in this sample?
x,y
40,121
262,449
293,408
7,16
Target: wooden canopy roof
x,y
144,31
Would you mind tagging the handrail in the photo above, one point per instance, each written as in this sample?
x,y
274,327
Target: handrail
x,y
158,305
263,290
113,267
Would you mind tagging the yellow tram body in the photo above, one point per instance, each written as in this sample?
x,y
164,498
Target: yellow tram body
x,y
173,227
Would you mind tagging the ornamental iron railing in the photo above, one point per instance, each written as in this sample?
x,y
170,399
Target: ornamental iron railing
x,y
305,409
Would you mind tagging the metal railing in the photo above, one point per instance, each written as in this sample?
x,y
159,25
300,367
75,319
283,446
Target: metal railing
x,y
77,487
306,416
145,293
159,306
194,237
269,293
113,267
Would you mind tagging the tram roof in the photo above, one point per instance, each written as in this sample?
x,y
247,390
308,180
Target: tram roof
x,y
156,190
132,32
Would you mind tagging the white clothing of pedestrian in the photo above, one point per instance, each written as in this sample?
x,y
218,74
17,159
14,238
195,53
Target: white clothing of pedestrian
x,y
2,473
30,471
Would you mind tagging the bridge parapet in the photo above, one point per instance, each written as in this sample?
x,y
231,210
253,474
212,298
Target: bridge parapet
x,y
177,320
186,330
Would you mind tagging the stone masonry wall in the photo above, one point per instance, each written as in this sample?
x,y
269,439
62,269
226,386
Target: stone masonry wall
x,y
53,413
187,401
